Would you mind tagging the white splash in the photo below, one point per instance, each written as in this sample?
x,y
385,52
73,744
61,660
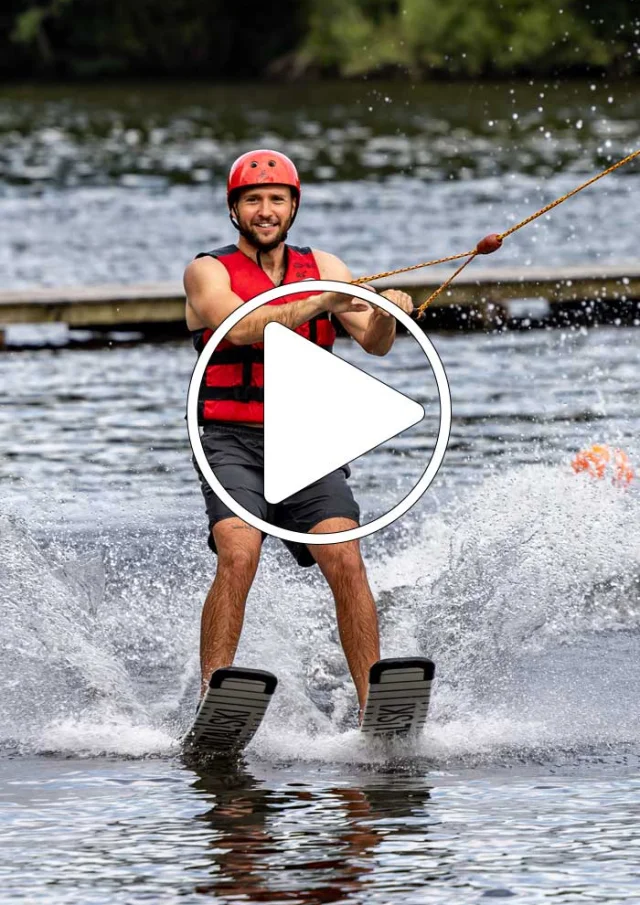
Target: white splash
x,y
525,592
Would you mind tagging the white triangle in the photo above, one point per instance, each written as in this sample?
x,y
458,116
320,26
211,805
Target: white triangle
x,y
320,412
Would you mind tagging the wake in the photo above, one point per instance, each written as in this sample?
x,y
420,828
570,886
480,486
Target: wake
x,y
525,592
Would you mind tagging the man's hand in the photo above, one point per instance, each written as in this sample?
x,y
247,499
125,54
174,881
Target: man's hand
x,y
381,327
375,332
399,298
369,325
340,303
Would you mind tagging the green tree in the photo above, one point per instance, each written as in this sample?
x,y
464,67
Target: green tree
x,y
341,37
82,37
471,37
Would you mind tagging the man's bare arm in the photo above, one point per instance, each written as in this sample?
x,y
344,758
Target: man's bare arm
x,y
210,300
374,329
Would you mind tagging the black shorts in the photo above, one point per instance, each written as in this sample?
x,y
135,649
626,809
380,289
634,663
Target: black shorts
x,y
235,453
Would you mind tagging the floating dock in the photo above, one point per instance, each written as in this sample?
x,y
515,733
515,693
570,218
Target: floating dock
x,y
480,298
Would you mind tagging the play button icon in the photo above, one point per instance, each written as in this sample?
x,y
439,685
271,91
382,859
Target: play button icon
x,y
321,412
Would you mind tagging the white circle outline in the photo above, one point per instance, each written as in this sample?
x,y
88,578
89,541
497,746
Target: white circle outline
x,y
367,295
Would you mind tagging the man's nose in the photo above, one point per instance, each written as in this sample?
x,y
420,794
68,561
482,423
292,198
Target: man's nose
x,y
265,208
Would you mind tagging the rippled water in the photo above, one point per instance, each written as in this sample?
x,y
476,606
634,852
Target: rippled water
x,y
278,835
126,184
519,578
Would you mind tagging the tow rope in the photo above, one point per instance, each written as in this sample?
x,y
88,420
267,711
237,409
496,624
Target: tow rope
x,y
491,242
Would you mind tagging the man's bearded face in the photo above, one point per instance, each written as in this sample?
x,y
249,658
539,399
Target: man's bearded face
x,y
264,215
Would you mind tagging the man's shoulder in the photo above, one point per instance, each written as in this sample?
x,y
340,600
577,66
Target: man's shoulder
x,y
331,267
222,252
206,266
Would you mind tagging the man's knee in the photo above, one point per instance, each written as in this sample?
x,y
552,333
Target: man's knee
x,y
339,558
343,558
237,545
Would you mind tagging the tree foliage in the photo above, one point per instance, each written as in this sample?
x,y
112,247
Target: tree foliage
x,y
476,37
465,38
147,37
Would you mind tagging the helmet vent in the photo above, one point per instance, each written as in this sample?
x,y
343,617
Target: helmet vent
x,y
272,163
254,163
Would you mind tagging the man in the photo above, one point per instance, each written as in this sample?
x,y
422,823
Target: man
x,y
263,194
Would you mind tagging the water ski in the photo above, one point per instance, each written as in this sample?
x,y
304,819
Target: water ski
x,y
398,697
230,712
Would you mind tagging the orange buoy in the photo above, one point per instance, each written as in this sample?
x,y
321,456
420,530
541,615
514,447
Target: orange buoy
x,y
489,244
601,461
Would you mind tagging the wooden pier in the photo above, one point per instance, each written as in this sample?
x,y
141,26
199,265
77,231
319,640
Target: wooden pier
x,y
481,298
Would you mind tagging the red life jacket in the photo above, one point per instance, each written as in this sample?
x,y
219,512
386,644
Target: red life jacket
x,y
233,385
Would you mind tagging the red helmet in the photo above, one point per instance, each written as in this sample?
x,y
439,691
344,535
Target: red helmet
x,y
260,167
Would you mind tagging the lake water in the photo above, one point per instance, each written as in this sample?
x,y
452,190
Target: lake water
x,y
126,184
520,579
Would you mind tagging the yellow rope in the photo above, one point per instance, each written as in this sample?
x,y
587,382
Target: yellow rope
x,y
525,222
570,194
446,283
470,255
390,273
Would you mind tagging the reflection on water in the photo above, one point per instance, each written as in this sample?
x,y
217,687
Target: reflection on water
x,y
277,835
250,823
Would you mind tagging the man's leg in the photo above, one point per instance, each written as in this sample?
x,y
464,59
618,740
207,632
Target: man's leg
x,y
238,548
342,566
